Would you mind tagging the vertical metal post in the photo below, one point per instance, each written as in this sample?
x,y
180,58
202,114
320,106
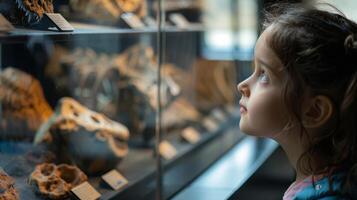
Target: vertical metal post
x,y
158,134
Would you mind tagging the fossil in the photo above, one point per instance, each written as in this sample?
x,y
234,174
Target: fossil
x,y
129,5
89,139
7,188
123,87
139,64
107,10
25,12
179,113
24,107
94,80
55,181
214,83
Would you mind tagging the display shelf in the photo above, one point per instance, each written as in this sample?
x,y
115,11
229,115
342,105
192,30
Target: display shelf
x,y
229,173
20,35
183,168
139,165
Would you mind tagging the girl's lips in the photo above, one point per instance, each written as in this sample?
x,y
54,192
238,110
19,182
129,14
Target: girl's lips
x,y
242,108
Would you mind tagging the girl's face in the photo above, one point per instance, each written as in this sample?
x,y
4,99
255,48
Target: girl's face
x,y
262,110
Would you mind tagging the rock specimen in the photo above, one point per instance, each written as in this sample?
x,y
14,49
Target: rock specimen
x,y
25,12
87,138
24,107
56,181
7,188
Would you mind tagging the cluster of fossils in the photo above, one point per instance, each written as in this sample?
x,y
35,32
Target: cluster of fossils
x,y
48,180
30,12
25,112
123,87
68,131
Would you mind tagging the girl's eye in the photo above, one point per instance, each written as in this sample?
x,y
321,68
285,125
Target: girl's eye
x,y
263,77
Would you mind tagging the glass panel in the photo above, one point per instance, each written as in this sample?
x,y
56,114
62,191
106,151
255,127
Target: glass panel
x,y
205,56
77,104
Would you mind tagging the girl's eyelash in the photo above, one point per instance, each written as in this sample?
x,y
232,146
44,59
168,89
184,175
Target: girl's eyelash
x,y
263,76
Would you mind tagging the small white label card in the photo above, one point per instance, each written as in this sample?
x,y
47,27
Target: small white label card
x,y
85,191
179,20
132,20
219,114
59,21
210,124
115,179
150,22
167,150
191,135
5,26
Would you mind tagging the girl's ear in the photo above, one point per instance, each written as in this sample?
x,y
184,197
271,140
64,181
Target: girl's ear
x,y
317,111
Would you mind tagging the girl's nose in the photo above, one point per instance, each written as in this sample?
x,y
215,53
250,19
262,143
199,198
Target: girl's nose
x,y
243,88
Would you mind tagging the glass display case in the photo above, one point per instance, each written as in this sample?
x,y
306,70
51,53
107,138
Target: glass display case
x,y
118,99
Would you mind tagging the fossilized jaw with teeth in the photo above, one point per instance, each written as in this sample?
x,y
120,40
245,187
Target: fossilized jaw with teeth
x,y
91,140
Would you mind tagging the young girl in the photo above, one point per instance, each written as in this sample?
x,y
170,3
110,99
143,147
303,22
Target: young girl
x,y
303,94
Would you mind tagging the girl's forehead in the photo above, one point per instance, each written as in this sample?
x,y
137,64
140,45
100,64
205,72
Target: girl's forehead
x,y
263,51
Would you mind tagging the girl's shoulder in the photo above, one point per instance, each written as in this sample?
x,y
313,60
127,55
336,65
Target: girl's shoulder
x,y
326,188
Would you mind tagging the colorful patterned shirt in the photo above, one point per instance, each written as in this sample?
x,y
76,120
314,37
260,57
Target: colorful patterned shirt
x,y
317,187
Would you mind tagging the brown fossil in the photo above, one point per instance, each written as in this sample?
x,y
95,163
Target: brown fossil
x,y
139,64
108,10
91,140
25,12
129,5
214,83
95,80
179,113
7,188
55,181
24,107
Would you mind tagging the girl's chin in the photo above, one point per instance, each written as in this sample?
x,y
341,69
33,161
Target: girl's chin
x,y
248,131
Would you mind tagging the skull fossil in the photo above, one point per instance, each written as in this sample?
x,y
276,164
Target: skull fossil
x,y
24,107
7,189
91,140
55,181
25,12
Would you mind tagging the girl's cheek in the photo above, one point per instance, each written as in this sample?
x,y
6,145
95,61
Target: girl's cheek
x,y
266,114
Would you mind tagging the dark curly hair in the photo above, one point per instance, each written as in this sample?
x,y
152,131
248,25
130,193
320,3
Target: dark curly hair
x,y
319,52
